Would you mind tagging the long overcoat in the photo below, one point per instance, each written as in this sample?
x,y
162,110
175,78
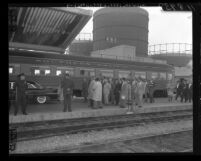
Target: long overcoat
x,y
125,91
90,89
97,91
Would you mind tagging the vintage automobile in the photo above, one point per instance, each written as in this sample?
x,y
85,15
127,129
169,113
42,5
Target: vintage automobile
x,y
35,93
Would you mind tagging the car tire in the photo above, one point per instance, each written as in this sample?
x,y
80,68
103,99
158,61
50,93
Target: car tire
x,y
41,99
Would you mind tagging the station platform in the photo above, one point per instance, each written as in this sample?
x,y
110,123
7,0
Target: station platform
x,y
53,111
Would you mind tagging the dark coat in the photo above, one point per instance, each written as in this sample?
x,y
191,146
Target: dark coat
x,y
85,88
151,87
21,87
117,89
67,85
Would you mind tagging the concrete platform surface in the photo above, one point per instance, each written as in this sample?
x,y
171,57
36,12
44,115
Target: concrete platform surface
x,y
53,111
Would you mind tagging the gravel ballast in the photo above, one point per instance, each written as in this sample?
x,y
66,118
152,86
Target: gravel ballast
x,y
43,145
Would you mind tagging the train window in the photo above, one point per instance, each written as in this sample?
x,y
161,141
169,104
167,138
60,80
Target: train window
x,y
71,72
58,72
31,86
169,76
37,72
47,71
107,73
11,85
11,70
82,72
162,75
124,74
140,75
91,73
154,75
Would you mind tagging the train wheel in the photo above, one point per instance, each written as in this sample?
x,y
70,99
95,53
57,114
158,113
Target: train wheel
x,y
41,99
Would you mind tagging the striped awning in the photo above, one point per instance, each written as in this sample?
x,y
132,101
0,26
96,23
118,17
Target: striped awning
x,y
47,28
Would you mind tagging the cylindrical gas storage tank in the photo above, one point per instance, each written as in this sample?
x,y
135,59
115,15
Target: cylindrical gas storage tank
x,y
83,48
115,26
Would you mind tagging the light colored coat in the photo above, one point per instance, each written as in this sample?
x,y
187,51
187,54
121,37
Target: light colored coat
x,y
90,89
107,88
125,91
97,91
141,87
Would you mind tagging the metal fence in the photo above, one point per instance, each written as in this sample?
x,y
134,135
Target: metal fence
x,y
171,49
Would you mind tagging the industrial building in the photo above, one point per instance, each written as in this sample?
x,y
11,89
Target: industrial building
x,y
113,27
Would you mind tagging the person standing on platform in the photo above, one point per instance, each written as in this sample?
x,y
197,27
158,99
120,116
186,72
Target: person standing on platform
x,y
129,98
190,91
151,86
112,97
90,92
135,91
182,89
141,91
106,92
85,89
179,89
117,91
146,93
21,86
97,94
67,86
124,95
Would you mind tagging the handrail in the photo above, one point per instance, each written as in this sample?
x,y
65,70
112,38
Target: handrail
x,y
174,49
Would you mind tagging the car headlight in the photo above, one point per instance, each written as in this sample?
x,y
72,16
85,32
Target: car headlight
x,y
123,97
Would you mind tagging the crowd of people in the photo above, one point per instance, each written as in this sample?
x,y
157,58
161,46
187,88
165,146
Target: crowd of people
x,y
125,93
183,89
121,92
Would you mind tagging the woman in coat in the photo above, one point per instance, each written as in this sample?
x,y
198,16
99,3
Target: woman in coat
x,y
117,91
90,92
97,94
135,91
106,92
141,91
125,94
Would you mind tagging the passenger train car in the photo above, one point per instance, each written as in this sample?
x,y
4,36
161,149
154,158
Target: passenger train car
x,y
46,68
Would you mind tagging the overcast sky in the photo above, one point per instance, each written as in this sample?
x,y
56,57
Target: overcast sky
x,y
164,27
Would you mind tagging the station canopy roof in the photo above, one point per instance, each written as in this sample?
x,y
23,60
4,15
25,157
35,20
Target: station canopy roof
x,y
49,28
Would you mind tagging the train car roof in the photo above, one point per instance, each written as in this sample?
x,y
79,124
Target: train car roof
x,y
52,55
47,28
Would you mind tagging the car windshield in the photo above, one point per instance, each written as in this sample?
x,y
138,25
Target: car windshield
x,y
35,85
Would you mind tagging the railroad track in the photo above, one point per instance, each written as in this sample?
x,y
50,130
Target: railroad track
x,y
173,141
39,130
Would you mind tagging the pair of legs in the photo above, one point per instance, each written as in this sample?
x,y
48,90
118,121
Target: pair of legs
x,y
182,97
131,106
140,97
85,96
116,99
97,104
136,95
112,98
106,98
170,98
146,97
67,102
122,103
151,98
178,94
21,101
91,103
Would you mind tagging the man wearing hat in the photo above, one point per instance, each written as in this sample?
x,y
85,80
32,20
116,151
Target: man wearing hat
x,y
67,85
20,87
